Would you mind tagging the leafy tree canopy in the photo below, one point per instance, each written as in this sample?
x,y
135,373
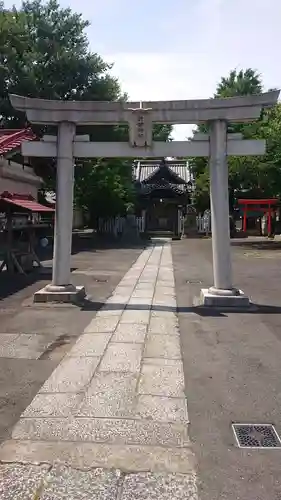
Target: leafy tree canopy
x,y
261,176
44,52
241,82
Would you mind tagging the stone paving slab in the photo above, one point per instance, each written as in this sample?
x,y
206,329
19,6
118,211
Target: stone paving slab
x,y
72,375
104,325
159,486
117,302
53,405
135,316
143,303
168,314
162,408
165,301
128,458
165,326
162,346
162,380
165,290
21,482
143,292
90,344
130,332
162,362
122,358
125,289
143,286
107,311
64,483
99,430
110,395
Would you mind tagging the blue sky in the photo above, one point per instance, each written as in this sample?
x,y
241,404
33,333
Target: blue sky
x,y
179,49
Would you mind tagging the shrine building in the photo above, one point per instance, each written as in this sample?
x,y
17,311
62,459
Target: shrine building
x,y
164,189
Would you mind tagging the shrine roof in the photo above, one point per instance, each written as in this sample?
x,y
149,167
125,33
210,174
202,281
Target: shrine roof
x,y
26,202
147,189
12,139
146,169
266,201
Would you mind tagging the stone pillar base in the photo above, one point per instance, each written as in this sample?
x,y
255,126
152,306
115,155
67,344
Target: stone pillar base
x,y
60,294
231,300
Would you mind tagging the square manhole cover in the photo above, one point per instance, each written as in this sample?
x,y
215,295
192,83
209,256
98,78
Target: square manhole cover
x,y
256,436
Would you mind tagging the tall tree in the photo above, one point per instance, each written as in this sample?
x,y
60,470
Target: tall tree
x,y
261,175
105,188
44,52
246,82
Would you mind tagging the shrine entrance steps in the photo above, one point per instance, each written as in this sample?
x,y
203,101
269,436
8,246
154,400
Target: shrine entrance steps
x,y
163,234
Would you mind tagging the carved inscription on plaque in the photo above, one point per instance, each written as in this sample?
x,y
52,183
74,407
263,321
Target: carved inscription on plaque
x,y
140,127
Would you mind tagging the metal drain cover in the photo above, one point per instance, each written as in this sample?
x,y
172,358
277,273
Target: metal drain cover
x,y
256,436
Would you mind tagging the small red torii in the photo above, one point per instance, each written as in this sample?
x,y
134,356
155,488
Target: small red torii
x,y
267,206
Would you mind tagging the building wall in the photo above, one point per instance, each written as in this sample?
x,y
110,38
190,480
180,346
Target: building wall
x,y
18,179
77,219
17,187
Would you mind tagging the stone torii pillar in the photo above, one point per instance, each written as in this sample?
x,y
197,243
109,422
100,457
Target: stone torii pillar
x,y
222,293
220,208
64,211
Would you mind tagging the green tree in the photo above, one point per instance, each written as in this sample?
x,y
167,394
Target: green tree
x,y
44,52
105,188
260,175
246,82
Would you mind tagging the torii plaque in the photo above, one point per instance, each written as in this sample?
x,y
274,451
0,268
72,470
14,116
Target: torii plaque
x,y
140,127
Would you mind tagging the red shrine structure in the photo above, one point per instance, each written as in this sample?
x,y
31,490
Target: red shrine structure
x,y
16,174
265,207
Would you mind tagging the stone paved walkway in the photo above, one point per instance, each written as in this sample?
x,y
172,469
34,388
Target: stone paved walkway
x,y
111,422
34,338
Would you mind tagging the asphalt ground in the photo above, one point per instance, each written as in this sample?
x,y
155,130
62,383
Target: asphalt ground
x,y
232,368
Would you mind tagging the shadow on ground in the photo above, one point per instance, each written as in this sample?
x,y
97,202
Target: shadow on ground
x,y
89,305
11,284
257,245
85,242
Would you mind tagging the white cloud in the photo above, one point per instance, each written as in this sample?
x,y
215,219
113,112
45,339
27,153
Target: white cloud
x,y
157,76
206,42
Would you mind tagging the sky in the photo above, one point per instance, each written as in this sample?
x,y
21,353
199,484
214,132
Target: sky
x,y
180,49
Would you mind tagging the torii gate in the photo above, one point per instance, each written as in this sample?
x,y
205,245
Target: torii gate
x,y
216,145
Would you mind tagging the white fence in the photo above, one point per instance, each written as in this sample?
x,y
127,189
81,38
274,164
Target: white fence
x,y
203,224
181,225
115,226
